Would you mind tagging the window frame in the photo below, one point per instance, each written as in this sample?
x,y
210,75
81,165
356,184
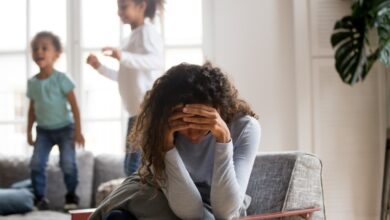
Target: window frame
x,y
74,51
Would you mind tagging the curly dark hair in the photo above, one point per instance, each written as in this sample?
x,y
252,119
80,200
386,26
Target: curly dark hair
x,y
47,34
151,7
181,84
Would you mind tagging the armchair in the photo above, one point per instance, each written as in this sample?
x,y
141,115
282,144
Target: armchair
x,y
282,185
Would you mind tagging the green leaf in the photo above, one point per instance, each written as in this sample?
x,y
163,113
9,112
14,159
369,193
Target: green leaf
x,y
358,2
371,60
383,4
384,55
344,23
383,28
349,40
339,37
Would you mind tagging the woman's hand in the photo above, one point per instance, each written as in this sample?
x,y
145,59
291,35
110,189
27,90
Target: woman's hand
x,y
207,118
112,52
175,123
93,61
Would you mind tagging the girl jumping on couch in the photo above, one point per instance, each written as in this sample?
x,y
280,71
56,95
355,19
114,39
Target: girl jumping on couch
x,y
50,92
199,142
141,61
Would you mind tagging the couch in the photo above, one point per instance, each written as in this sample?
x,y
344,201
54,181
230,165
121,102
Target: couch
x,y
279,182
93,170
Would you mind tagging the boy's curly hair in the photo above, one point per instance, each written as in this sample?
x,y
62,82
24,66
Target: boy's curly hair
x,y
47,34
181,84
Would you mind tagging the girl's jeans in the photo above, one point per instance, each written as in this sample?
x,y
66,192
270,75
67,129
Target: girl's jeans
x,y
133,156
46,139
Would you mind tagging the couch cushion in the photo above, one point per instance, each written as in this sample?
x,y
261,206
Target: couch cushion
x,y
106,189
38,215
13,169
107,167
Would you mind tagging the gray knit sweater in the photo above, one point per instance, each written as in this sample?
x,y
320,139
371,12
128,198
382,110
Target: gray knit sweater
x,y
211,174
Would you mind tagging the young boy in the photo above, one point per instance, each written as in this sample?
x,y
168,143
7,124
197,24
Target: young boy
x,y
50,92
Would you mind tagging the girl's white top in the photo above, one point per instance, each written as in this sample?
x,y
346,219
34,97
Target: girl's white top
x,y
142,62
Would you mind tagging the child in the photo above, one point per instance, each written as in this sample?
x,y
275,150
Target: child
x,y
49,92
199,142
141,62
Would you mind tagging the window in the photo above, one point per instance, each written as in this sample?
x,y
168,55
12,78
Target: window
x,y
16,63
84,26
183,37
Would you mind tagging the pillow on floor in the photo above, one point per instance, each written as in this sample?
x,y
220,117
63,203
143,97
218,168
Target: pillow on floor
x,y
106,188
15,201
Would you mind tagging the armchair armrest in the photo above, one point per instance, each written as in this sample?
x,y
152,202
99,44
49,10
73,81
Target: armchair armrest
x,y
304,213
83,214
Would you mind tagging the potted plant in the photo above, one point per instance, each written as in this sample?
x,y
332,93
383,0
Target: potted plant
x,y
356,52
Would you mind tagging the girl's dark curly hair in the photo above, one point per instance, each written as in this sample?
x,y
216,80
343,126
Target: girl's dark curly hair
x,y
181,84
152,6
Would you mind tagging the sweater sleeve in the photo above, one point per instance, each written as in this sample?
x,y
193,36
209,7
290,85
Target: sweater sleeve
x,y
152,59
108,72
182,195
232,169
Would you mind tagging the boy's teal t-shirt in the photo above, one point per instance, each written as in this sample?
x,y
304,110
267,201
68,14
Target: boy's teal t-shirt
x,y
50,100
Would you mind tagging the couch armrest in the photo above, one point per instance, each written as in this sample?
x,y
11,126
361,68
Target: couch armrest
x,y
304,213
284,181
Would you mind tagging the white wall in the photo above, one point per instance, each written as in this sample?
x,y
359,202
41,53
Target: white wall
x,y
303,105
252,41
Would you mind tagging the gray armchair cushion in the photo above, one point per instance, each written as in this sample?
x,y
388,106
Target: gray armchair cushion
x,y
286,181
14,169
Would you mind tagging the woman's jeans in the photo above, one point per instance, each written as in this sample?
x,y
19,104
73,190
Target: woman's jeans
x,y
46,139
133,156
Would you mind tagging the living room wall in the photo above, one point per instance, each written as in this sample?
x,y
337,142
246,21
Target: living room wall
x,y
279,55
253,41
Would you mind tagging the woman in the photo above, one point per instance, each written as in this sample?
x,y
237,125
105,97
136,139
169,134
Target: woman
x,y
198,141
